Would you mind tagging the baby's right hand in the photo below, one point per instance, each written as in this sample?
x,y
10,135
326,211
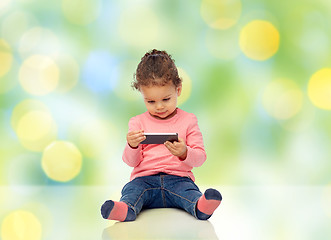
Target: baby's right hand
x,y
135,137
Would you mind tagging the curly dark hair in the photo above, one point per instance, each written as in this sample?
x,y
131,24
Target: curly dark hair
x,y
156,68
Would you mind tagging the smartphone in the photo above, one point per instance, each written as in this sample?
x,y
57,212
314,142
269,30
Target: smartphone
x,y
159,138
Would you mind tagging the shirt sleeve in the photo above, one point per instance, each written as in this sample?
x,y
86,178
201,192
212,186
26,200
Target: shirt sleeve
x,y
132,156
196,154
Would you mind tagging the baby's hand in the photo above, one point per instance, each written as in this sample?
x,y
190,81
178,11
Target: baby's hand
x,y
135,137
178,149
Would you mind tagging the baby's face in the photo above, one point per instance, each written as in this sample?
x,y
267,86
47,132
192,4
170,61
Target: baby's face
x,y
161,101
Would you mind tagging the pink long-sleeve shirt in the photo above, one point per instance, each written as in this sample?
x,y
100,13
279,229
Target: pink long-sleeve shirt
x,y
149,159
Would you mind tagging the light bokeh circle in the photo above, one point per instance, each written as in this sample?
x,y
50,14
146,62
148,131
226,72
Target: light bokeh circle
x,y
96,139
220,14
16,24
319,88
130,24
186,86
4,5
221,45
81,12
36,129
39,75
123,88
282,99
8,80
33,124
259,40
21,225
23,108
100,72
62,161
39,40
69,73
6,57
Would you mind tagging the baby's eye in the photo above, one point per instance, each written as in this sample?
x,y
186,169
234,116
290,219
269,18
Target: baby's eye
x,y
151,102
166,99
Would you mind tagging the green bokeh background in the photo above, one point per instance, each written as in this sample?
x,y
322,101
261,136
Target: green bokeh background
x,y
274,173
244,143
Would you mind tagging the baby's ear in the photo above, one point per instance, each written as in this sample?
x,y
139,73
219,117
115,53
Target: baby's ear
x,y
179,89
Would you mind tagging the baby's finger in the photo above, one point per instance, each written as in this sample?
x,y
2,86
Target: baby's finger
x,y
167,144
136,134
176,144
138,139
170,146
142,138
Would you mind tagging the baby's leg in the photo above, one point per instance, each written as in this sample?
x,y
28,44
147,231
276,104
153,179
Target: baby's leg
x,y
134,196
185,194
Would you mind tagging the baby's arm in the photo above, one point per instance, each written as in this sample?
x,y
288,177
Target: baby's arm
x,y
195,155
132,151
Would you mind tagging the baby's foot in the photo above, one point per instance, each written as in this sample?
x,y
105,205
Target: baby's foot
x,y
117,211
207,203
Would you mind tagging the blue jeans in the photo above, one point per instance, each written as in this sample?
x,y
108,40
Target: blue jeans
x,y
161,191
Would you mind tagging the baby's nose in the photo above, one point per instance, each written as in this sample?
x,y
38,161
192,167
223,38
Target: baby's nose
x,y
159,106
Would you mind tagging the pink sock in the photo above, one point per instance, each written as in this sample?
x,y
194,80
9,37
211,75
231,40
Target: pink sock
x,y
114,210
209,201
119,211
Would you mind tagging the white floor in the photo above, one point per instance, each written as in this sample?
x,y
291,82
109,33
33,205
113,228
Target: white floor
x,y
251,212
162,224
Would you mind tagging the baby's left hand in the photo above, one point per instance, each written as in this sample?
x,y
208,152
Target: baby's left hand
x,y
178,149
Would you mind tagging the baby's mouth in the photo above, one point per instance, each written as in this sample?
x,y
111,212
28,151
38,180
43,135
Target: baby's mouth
x,y
161,113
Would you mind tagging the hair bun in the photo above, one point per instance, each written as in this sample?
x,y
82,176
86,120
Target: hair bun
x,y
156,68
